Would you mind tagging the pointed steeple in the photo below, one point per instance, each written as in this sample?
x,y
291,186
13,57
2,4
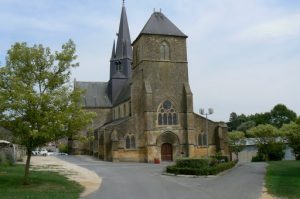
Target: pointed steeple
x,y
120,62
123,49
113,53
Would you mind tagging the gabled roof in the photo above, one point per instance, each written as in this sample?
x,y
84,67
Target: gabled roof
x,y
159,24
95,94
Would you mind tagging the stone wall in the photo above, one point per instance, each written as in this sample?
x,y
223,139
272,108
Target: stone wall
x,y
103,115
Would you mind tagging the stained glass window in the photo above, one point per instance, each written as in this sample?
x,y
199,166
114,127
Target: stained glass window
x,y
167,114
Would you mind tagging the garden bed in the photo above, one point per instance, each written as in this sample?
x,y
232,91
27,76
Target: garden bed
x,y
199,166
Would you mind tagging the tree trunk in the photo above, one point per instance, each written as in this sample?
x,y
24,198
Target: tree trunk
x,y
237,156
70,145
27,167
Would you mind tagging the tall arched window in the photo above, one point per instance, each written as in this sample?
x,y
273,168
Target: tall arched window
x,y
130,142
167,114
202,139
164,51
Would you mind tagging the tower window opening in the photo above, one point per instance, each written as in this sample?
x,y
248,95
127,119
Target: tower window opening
x,y
164,51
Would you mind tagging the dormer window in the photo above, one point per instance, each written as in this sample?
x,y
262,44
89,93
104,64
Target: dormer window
x,y
164,51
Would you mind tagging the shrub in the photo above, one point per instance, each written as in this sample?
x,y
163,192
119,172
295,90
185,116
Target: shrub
x,y
200,171
199,163
186,171
63,148
276,151
220,167
219,157
258,158
6,159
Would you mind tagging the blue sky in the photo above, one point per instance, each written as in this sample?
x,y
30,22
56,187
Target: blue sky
x,y
244,56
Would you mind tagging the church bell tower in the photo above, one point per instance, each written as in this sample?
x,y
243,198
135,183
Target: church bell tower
x,y
121,58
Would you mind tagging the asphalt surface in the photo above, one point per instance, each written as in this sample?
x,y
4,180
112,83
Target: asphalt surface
x,y
145,181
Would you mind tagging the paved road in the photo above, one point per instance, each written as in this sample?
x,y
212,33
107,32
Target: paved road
x,y
145,181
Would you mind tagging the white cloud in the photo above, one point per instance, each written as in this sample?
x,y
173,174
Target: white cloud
x,y
282,28
240,53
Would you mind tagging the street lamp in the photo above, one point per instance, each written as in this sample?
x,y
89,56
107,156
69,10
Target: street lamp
x,y
202,112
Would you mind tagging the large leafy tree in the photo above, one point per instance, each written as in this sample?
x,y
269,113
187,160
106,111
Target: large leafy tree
x,y
236,142
292,132
235,121
280,115
260,118
37,102
268,141
246,125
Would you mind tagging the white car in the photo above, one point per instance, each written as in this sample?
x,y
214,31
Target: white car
x,y
42,152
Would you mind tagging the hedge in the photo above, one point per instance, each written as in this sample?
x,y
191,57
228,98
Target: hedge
x,y
198,163
200,171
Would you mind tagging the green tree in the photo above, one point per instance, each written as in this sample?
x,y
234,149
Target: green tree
x,y
260,118
246,125
235,121
292,132
280,115
37,102
236,142
268,141
298,120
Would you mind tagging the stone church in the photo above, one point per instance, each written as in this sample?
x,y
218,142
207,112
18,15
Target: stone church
x,y
145,110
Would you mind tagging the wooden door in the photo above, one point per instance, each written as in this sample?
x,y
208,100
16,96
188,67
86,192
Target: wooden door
x,y
166,152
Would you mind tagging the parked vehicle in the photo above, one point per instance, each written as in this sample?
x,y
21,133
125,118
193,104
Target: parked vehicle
x,y
43,152
38,151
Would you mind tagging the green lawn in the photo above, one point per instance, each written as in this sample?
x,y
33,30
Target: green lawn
x,y
283,178
43,184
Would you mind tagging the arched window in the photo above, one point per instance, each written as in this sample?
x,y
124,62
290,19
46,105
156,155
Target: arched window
x,y
202,139
130,142
167,114
164,51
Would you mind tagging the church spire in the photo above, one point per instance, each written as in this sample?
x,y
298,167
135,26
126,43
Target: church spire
x,y
121,58
123,49
113,53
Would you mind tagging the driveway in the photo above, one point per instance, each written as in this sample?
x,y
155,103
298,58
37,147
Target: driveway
x,y
145,181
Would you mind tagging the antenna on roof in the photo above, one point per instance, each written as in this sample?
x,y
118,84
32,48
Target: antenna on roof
x,y
153,9
160,10
123,3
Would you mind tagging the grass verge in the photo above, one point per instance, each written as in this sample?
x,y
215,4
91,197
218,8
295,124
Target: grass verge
x,y
283,179
43,184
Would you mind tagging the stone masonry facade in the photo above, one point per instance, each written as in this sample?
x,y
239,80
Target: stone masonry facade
x,y
151,114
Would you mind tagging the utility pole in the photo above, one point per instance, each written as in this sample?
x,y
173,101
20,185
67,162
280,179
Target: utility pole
x,y
209,112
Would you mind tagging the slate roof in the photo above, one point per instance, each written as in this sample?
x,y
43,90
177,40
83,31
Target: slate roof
x,y
95,94
159,24
123,49
125,94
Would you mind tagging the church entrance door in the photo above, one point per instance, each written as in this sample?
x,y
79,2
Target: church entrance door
x,y
166,152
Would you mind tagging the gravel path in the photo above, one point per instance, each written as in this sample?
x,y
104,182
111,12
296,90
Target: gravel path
x,y
88,179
